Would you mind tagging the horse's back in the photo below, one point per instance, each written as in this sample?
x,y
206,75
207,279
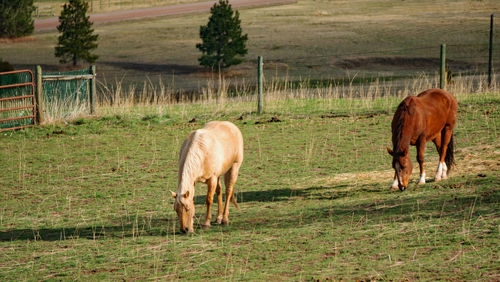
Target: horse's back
x,y
223,146
439,98
439,104
227,135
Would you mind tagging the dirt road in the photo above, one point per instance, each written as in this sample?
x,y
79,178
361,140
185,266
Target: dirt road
x,y
51,23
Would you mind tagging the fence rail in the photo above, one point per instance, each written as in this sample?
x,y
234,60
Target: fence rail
x,y
13,108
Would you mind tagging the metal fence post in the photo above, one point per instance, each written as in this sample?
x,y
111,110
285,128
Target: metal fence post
x,y
259,78
490,58
92,93
39,95
442,70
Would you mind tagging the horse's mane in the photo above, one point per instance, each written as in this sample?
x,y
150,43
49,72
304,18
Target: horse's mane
x,y
400,120
190,160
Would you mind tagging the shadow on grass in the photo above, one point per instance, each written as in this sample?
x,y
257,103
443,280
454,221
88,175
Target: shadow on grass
x,y
277,195
391,206
446,200
136,227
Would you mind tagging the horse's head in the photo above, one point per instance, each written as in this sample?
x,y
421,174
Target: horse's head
x,y
184,206
402,165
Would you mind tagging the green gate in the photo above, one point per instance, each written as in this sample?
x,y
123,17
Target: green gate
x,y
67,95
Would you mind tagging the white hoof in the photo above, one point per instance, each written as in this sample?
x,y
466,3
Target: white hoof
x,y
422,179
395,185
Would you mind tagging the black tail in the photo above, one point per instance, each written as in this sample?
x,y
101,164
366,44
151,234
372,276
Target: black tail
x,y
449,159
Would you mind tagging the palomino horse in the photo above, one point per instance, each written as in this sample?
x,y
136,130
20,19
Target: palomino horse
x,y
430,115
206,154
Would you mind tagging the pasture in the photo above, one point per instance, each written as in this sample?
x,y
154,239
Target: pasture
x,y
47,8
310,39
89,200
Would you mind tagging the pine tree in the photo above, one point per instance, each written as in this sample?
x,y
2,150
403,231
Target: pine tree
x,y
15,18
222,39
77,39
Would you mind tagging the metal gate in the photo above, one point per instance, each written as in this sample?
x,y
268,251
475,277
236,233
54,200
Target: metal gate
x,y
17,100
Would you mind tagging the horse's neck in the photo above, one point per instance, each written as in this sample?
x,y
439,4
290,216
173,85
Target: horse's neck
x,y
403,136
189,171
185,183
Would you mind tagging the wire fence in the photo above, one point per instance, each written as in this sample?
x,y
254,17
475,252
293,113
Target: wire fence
x,y
393,66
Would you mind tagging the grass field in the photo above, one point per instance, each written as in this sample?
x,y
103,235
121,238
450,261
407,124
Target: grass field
x,y
89,199
310,39
48,8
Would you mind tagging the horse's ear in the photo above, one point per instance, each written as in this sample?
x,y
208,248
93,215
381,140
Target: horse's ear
x,y
390,151
173,194
187,194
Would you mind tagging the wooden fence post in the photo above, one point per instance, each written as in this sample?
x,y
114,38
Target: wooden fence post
x,y
490,58
39,95
442,70
259,79
92,93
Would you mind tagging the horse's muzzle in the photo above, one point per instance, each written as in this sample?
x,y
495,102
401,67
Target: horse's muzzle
x,y
402,188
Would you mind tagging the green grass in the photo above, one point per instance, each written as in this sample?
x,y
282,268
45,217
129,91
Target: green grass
x,y
90,200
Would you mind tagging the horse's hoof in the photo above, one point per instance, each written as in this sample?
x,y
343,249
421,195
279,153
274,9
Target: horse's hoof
x,y
225,221
437,179
219,220
205,226
421,182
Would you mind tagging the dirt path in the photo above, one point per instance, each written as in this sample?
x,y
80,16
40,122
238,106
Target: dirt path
x,y
51,23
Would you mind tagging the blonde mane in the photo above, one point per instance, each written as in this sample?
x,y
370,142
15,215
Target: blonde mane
x,y
190,160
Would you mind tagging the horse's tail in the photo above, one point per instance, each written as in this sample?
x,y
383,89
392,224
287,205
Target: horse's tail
x,y
233,199
449,159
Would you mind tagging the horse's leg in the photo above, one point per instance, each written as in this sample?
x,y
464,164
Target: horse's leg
x,y
444,148
211,185
395,185
219,202
420,160
439,172
229,179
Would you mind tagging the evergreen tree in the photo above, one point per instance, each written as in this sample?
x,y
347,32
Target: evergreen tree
x,y
15,18
222,39
77,39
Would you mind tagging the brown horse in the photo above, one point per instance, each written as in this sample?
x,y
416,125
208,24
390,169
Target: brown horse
x,y
430,115
206,154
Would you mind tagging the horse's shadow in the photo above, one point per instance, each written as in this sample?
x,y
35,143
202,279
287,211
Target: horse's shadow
x,y
133,227
146,226
391,206
277,195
